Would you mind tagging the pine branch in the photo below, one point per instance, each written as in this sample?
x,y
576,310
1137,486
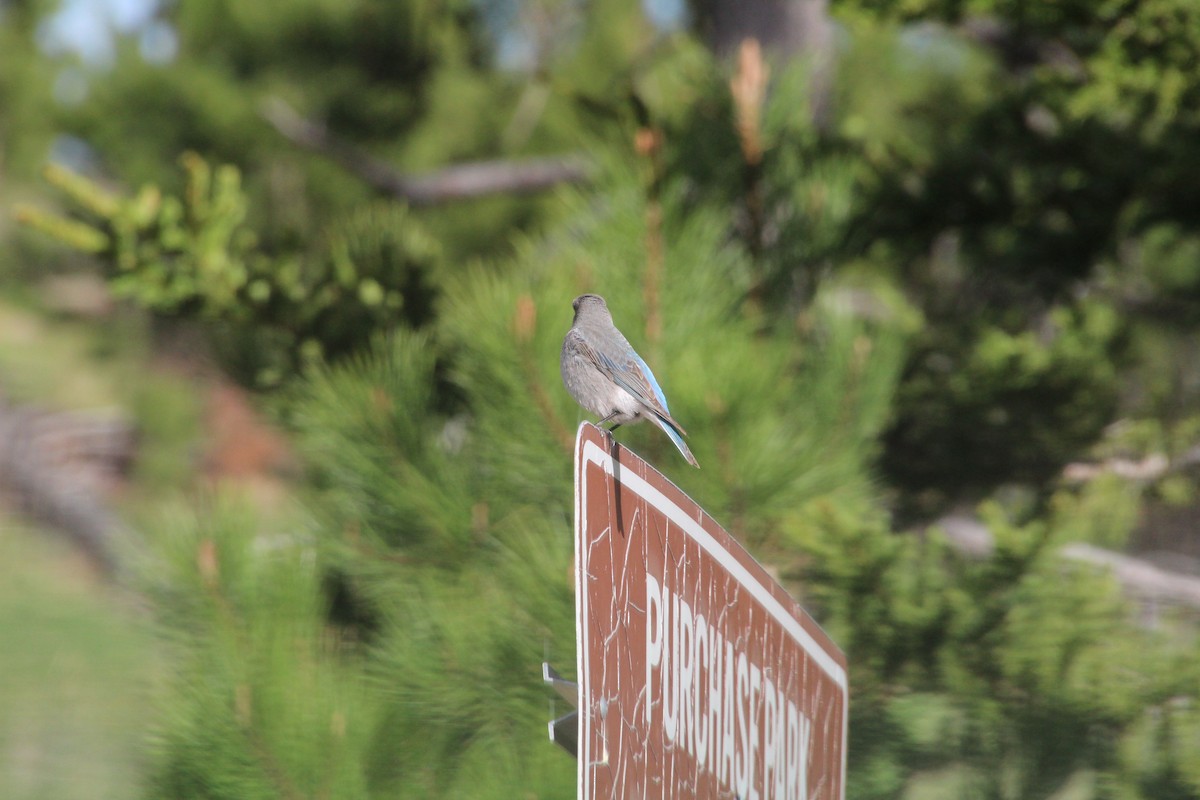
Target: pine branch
x,y
524,323
648,144
459,182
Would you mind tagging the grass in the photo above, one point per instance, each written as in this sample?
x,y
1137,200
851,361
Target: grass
x,y
78,659
77,666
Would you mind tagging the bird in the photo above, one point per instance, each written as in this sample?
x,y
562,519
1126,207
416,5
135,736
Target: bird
x,y
607,377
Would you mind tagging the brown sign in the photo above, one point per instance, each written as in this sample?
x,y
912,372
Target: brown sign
x,y
698,675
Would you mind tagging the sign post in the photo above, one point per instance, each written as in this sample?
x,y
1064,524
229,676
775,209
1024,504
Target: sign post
x,y
698,675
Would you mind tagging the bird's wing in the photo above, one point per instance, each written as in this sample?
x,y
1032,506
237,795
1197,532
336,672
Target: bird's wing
x,y
632,375
645,371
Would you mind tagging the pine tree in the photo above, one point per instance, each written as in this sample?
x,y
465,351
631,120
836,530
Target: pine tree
x,y
860,326
441,473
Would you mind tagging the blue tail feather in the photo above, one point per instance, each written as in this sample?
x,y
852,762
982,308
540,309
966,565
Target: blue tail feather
x,y
676,438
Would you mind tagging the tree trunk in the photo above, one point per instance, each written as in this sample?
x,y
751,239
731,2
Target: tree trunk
x,y
786,29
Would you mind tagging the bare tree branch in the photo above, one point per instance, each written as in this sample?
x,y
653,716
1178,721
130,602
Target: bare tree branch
x,y
1141,579
459,182
52,466
1145,582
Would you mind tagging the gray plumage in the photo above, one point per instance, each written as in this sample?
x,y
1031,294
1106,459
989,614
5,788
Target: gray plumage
x,y
603,373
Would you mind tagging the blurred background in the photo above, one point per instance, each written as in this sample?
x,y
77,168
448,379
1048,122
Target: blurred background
x,y
285,459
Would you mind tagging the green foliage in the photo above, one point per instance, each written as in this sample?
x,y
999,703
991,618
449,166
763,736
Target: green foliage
x,y
26,122
75,701
997,182
272,698
195,256
373,427
1012,406
1165,258
411,83
1141,67
1022,665
983,259
464,580
168,422
441,466
937,173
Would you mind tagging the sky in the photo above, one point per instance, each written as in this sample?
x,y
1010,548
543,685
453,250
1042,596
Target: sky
x,y
86,27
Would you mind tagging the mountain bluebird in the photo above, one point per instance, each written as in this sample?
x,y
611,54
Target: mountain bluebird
x,y
606,377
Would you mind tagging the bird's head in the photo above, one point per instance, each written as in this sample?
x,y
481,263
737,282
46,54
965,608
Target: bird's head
x,y
587,303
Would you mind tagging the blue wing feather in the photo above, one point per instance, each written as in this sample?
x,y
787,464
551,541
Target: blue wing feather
x,y
641,384
635,377
658,392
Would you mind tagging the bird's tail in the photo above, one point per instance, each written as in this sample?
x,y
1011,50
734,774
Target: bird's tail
x,y
675,436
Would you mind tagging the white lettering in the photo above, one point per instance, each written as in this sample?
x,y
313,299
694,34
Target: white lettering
x,y
712,701
805,742
686,691
773,741
701,723
742,764
716,707
726,772
654,637
670,674
755,693
793,752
